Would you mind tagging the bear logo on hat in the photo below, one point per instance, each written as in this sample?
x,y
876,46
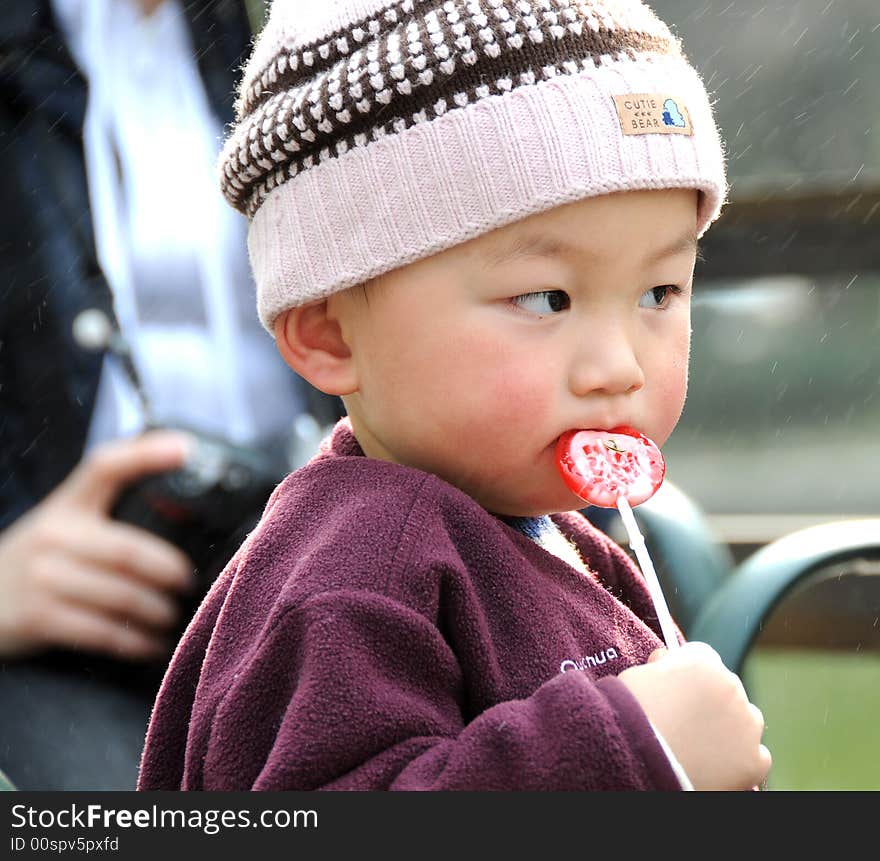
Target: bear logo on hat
x,y
672,115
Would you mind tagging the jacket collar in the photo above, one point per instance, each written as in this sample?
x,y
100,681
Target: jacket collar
x,y
31,41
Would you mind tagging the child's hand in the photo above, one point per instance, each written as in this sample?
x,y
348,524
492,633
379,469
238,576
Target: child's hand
x,y
702,711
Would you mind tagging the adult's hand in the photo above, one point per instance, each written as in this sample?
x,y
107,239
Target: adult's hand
x,y
72,577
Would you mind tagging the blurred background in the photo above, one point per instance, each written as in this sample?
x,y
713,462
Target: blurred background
x,y
782,425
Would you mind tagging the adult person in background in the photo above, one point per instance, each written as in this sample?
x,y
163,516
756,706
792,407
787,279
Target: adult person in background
x,y
97,99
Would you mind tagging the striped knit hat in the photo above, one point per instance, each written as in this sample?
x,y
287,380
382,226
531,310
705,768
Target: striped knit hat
x,y
371,133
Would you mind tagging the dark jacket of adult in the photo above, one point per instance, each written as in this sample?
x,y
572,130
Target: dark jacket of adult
x,y
69,720
49,270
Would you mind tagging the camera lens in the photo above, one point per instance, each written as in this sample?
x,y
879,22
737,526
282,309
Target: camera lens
x,y
236,477
186,483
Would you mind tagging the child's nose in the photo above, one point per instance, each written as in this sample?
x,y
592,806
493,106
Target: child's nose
x,y
607,363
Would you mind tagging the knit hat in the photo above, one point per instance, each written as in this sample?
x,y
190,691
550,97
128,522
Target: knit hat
x,y
372,134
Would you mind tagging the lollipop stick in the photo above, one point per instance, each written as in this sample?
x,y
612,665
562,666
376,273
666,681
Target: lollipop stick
x,y
637,543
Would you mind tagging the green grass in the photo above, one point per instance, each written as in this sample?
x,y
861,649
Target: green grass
x,y
822,711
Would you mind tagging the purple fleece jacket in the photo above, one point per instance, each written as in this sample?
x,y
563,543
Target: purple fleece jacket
x,y
380,630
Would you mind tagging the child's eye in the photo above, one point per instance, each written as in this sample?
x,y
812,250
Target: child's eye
x,y
543,302
658,297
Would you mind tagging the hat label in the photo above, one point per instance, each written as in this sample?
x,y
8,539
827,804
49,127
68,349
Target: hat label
x,y
653,113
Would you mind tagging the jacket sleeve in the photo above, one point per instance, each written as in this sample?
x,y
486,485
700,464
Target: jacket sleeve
x,y
373,699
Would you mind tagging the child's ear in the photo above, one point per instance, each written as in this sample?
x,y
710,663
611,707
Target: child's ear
x,y
311,342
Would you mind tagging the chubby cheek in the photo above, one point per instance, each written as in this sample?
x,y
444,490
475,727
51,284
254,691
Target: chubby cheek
x,y
493,404
513,385
670,390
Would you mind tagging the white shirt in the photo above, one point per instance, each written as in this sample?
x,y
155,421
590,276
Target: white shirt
x,y
173,251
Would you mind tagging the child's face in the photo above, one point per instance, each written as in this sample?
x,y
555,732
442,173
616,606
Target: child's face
x,y
471,363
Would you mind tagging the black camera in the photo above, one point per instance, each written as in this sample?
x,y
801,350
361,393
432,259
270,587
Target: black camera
x,y
208,506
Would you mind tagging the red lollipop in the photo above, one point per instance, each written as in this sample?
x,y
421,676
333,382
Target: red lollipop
x,y
601,466
619,468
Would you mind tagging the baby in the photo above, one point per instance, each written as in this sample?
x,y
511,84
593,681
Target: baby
x,y
477,222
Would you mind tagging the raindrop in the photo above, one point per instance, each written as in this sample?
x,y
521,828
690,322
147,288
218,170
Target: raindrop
x,y
789,240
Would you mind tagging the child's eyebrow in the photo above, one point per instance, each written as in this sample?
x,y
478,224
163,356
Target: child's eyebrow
x,y
530,245
541,245
687,244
